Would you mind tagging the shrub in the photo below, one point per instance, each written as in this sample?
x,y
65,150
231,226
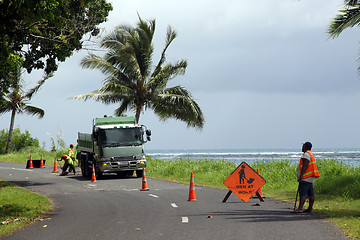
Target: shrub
x,y
18,141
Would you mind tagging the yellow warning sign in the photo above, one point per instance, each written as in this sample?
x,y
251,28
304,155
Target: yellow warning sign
x,y
244,182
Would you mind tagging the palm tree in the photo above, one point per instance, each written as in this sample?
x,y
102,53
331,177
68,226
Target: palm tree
x,y
134,83
348,17
18,102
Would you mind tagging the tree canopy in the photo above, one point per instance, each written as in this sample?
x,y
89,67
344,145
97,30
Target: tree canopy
x,y
135,83
45,32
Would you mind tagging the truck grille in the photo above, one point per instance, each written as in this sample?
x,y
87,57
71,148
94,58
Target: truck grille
x,y
122,158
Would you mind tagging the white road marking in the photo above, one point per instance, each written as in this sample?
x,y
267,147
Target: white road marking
x,y
184,219
174,205
152,195
19,169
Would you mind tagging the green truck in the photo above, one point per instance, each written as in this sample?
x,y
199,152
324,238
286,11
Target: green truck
x,y
114,146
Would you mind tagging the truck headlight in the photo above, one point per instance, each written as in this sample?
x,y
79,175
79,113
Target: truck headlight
x,y
139,157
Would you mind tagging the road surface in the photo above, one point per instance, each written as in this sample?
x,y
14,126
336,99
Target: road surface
x,y
115,208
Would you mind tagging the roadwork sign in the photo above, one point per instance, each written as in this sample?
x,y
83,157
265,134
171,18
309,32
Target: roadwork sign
x,y
244,182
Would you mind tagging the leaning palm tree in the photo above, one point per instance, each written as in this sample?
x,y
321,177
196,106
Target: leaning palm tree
x,y
347,18
133,82
17,101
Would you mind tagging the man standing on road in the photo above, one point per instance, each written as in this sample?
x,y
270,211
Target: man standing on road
x,y
307,172
71,153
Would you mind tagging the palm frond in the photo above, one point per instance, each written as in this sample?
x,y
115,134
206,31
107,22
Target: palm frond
x,y
37,87
113,87
170,36
106,98
166,73
178,103
124,106
34,111
347,18
351,2
93,61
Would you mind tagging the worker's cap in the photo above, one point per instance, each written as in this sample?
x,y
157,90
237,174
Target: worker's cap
x,y
63,156
71,145
307,145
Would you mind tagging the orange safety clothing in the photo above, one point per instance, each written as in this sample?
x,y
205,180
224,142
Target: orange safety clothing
x,y
312,170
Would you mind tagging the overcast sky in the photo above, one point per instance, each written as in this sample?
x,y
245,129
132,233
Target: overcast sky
x,y
265,74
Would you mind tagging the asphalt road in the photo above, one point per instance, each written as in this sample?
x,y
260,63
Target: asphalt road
x,y
115,208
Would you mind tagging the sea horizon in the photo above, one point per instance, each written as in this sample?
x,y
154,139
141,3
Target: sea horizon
x,y
349,156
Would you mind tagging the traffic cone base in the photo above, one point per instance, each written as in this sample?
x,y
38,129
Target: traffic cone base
x,y
144,182
93,177
192,196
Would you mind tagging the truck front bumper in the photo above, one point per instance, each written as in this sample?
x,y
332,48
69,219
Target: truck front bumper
x,y
119,166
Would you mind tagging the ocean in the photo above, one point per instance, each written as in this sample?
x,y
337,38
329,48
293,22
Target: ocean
x,y
237,156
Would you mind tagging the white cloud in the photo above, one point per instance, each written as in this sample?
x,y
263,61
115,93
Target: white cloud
x,y
264,73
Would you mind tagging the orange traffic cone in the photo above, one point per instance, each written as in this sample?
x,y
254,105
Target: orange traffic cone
x,y
192,196
144,182
93,177
55,166
31,163
42,162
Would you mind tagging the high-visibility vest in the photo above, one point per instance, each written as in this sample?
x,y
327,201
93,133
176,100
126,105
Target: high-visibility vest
x,y
72,154
312,170
70,161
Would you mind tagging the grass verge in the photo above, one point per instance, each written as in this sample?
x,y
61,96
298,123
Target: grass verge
x,y
19,207
337,189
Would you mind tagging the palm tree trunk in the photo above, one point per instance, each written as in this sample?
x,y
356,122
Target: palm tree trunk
x,y
12,120
137,114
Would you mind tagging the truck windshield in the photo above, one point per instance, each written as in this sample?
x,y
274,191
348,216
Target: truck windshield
x,y
120,137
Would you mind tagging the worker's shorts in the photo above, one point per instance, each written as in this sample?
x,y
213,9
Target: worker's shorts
x,y
306,189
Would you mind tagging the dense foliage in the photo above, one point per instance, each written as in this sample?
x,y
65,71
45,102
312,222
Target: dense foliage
x,y
44,32
19,140
135,83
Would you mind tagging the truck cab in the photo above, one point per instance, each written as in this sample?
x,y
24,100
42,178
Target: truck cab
x,y
115,146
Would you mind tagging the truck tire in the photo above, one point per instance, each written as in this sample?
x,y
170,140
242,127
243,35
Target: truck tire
x,y
84,166
139,173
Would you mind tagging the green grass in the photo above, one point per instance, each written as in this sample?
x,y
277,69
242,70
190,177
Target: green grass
x,y
24,155
19,207
337,189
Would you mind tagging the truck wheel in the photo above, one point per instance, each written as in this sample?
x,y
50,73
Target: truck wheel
x,y
99,175
139,173
84,168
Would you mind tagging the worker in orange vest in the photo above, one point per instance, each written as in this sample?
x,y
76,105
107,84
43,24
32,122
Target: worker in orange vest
x,y
307,172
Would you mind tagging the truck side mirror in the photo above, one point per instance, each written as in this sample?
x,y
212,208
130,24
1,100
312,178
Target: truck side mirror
x,y
148,132
148,138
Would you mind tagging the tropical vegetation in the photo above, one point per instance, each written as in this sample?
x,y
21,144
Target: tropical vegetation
x,y
45,32
17,101
20,141
133,82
